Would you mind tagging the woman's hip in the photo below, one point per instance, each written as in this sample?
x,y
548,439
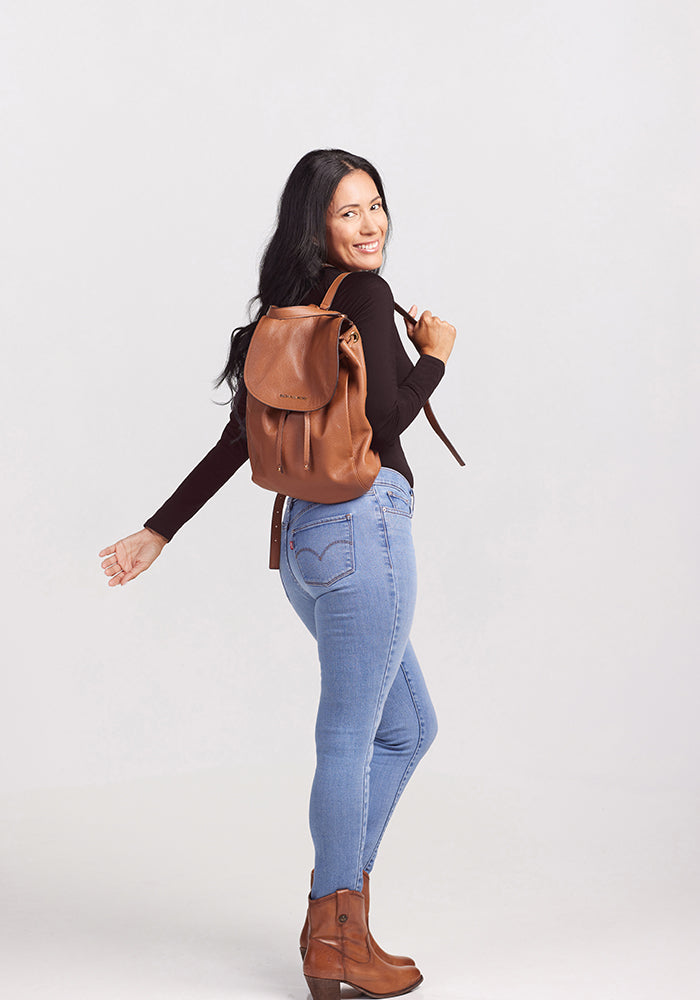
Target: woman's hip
x,y
353,545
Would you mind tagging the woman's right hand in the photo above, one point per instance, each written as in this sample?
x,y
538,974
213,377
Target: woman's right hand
x,y
131,555
431,335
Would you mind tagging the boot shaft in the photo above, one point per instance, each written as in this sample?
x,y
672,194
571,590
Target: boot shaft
x,y
338,930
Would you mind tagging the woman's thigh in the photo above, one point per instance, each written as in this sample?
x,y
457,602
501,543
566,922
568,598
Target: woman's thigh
x,y
349,571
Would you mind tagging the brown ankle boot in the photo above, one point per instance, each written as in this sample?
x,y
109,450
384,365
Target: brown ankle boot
x,y
340,951
384,955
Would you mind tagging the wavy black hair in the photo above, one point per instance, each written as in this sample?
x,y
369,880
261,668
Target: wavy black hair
x,y
293,259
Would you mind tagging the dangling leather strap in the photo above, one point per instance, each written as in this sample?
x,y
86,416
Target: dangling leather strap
x,y
276,532
427,409
432,420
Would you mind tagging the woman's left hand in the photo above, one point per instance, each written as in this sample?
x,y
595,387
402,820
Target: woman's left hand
x,y
130,556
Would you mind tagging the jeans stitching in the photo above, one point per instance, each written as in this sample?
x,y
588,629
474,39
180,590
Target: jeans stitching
x,y
377,713
348,540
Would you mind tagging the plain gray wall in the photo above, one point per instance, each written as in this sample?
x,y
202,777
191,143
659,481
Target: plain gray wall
x,y
541,165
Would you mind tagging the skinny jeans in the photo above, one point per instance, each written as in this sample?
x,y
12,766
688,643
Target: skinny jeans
x,y
349,572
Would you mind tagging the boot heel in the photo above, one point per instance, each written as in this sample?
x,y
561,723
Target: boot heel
x,y
323,989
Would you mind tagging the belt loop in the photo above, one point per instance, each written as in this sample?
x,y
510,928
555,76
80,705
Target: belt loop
x,y
287,511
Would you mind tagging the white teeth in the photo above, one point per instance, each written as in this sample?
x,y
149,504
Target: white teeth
x,y
368,246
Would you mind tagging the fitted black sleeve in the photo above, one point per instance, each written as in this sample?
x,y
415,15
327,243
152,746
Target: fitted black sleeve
x,y
216,468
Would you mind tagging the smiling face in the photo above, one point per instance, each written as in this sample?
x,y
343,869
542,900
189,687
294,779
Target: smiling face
x,y
356,224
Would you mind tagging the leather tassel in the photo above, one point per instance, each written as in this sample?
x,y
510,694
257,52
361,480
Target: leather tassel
x,y
307,441
278,446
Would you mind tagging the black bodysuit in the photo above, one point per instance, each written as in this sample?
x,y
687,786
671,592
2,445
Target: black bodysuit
x,y
396,391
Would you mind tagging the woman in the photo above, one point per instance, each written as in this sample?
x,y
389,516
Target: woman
x,y
375,718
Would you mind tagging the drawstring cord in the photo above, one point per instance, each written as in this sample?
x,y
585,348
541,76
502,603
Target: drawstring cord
x,y
280,434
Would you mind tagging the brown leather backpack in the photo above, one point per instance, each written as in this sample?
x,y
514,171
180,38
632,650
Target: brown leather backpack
x,y
308,434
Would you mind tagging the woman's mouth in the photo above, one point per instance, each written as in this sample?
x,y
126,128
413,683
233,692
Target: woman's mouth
x,y
367,247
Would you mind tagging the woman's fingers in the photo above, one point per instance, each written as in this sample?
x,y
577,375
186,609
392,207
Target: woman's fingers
x,y
131,574
432,335
122,576
116,563
133,571
115,572
130,556
409,326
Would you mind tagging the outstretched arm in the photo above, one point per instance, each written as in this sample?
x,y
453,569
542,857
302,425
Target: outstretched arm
x,y
132,555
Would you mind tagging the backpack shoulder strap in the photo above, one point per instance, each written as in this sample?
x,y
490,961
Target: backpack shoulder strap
x,y
333,288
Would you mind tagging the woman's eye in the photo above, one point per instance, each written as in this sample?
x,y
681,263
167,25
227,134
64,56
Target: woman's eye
x,y
351,212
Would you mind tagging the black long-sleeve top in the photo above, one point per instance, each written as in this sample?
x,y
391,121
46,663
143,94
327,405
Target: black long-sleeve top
x,y
396,391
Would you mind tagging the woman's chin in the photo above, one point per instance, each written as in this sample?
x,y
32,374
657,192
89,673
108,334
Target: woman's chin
x,y
368,262
360,262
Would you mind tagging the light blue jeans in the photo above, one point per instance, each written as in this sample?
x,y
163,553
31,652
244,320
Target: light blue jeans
x,y
349,571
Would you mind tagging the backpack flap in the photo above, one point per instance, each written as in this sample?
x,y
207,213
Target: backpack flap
x,y
292,361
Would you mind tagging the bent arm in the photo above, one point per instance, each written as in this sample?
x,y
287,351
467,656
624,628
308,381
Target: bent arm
x,y
396,388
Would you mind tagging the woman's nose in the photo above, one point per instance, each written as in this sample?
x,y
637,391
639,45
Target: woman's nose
x,y
368,224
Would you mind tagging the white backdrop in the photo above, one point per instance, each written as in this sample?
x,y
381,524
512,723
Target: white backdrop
x,y
540,161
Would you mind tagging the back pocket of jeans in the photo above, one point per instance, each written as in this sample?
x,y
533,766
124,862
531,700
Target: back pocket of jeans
x,y
324,550
400,503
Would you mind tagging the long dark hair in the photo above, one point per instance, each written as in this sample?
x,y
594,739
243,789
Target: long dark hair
x,y
293,259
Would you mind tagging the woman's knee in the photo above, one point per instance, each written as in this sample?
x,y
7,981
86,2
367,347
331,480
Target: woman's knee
x,y
429,728
413,737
